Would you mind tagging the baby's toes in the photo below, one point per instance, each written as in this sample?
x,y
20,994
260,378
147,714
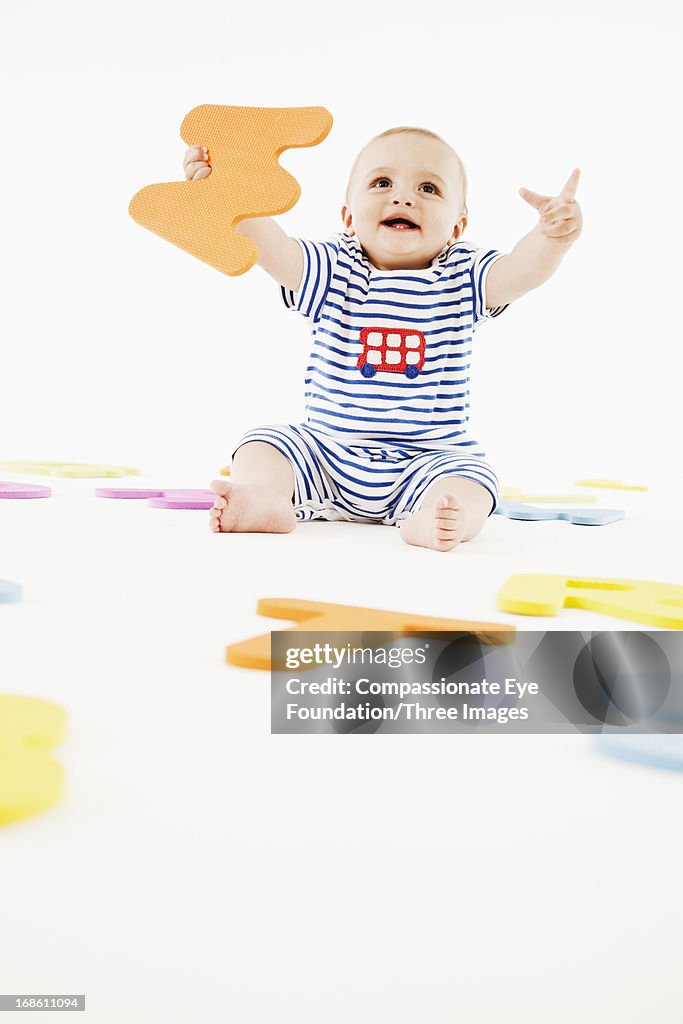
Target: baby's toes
x,y
448,509
445,533
448,503
219,502
447,516
448,520
220,487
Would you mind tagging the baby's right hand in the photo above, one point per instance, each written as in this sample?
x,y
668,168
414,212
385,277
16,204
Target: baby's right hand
x,y
196,163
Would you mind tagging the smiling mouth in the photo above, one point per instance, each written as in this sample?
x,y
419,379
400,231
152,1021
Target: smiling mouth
x,y
400,224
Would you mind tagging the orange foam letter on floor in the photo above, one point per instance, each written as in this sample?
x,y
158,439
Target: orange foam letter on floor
x,y
30,780
321,617
246,180
656,604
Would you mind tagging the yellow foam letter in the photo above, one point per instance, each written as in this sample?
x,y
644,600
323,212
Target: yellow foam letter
x,y
656,604
30,780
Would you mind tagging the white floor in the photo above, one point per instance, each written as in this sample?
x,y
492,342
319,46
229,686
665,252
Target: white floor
x,y
200,869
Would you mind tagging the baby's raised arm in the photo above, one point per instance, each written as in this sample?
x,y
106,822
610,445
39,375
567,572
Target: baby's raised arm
x,y
537,256
278,253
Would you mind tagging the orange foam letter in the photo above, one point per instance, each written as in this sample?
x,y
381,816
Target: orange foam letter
x,y
246,180
319,616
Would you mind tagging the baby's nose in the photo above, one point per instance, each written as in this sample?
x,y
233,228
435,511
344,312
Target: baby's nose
x,y
406,202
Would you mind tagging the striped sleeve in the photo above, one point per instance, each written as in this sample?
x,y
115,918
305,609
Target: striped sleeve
x,y
482,261
320,259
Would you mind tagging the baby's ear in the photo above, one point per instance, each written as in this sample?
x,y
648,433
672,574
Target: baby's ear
x,y
459,229
347,219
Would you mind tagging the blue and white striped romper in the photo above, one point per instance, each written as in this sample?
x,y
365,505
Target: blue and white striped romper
x,y
387,384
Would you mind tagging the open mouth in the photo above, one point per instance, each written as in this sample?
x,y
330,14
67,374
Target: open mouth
x,y
400,224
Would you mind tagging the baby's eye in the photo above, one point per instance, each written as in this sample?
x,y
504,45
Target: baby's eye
x,y
429,185
380,180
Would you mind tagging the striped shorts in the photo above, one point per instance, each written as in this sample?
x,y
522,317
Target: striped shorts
x,y
385,484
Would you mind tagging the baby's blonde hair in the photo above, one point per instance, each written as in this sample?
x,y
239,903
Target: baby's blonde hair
x,y
415,131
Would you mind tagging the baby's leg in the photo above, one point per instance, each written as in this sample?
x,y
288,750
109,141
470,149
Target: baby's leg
x,y
453,509
258,496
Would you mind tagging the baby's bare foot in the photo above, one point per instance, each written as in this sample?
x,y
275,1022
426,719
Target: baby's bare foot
x,y
250,508
440,526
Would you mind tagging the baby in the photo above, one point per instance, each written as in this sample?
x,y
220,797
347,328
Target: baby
x,y
392,302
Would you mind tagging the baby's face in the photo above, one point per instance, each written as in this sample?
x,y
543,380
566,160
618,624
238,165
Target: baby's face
x,y
405,176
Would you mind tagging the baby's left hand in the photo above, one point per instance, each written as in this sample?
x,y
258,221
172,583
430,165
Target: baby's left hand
x,y
560,216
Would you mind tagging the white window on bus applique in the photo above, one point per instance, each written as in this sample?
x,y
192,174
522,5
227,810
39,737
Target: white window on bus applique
x,y
374,357
375,338
394,340
412,358
412,341
393,357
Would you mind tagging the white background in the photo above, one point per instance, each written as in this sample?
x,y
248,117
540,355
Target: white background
x,y
119,347
198,868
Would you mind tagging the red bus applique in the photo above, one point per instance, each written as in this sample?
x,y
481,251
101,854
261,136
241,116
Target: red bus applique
x,y
391,350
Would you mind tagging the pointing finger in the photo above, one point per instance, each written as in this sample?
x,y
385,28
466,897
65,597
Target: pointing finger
x,y
569,190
